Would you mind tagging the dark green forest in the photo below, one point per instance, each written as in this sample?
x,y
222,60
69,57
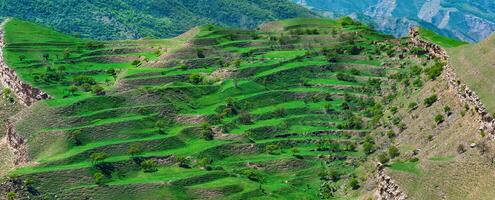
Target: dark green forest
x,y
134,19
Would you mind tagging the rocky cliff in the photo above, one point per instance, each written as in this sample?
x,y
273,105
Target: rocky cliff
x,y
8,77
465,94
16,144
387,189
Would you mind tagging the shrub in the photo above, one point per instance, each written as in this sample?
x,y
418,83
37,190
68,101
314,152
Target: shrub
x,y
134,150
206,132
245,118
333,175
461,149
74,137
136,63
417,82
354,183
195,78
11,195
98,157
439,118
99,178
430,100
98,90
183,162
203,162
81,79
368,148
393,152
383,158
272,148
447,110
412,106
434,71
345,77
390,134
149,166
22,57
72,89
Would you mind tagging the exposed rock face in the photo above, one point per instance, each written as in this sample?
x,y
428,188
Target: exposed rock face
x,y
16,144
387,188
466,95
8,77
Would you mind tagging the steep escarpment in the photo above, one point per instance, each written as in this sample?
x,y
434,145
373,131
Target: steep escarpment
x,y
465,94
16,143
387,189
9,78
438,125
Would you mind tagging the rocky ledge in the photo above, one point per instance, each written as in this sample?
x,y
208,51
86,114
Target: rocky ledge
x,y
465,94
387,188
8,77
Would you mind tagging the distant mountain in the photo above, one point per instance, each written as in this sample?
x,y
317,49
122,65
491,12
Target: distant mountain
x,y
131,19
468,20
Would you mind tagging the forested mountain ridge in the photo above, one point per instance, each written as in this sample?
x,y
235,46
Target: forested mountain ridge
x,y
133,19
466,20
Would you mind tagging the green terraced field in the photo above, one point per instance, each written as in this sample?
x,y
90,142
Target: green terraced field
x,y
277,113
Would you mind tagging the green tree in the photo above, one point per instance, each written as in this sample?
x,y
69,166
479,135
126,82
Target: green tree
x,y
393,152
149,166
183,162
383,158
354,183
271,148
98,157
206,132
72,89
439,118
75,137
134,150
98,90
22,57
430,100
195,78
99,178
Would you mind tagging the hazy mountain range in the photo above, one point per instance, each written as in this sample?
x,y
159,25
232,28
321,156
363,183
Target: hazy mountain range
x,y
131,19
468,20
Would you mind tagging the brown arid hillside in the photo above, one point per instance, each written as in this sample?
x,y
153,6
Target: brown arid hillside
x,y
446,146
475,63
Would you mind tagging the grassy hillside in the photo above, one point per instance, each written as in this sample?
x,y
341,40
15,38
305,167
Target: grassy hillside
x,y
474,64
443,41
134,19
283,112
439,159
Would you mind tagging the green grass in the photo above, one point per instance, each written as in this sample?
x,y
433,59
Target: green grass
x,y
407,167
439,39
291,93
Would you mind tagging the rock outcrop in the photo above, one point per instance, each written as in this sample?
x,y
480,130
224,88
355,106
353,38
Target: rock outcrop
x,y
465,94
8,77
387,188
17,144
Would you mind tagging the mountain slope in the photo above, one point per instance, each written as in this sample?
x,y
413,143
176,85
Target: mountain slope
x,y
466,20
282,112
132,19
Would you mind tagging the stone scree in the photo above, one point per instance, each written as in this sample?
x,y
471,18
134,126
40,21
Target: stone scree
x,y
8,77
387,188
466,95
